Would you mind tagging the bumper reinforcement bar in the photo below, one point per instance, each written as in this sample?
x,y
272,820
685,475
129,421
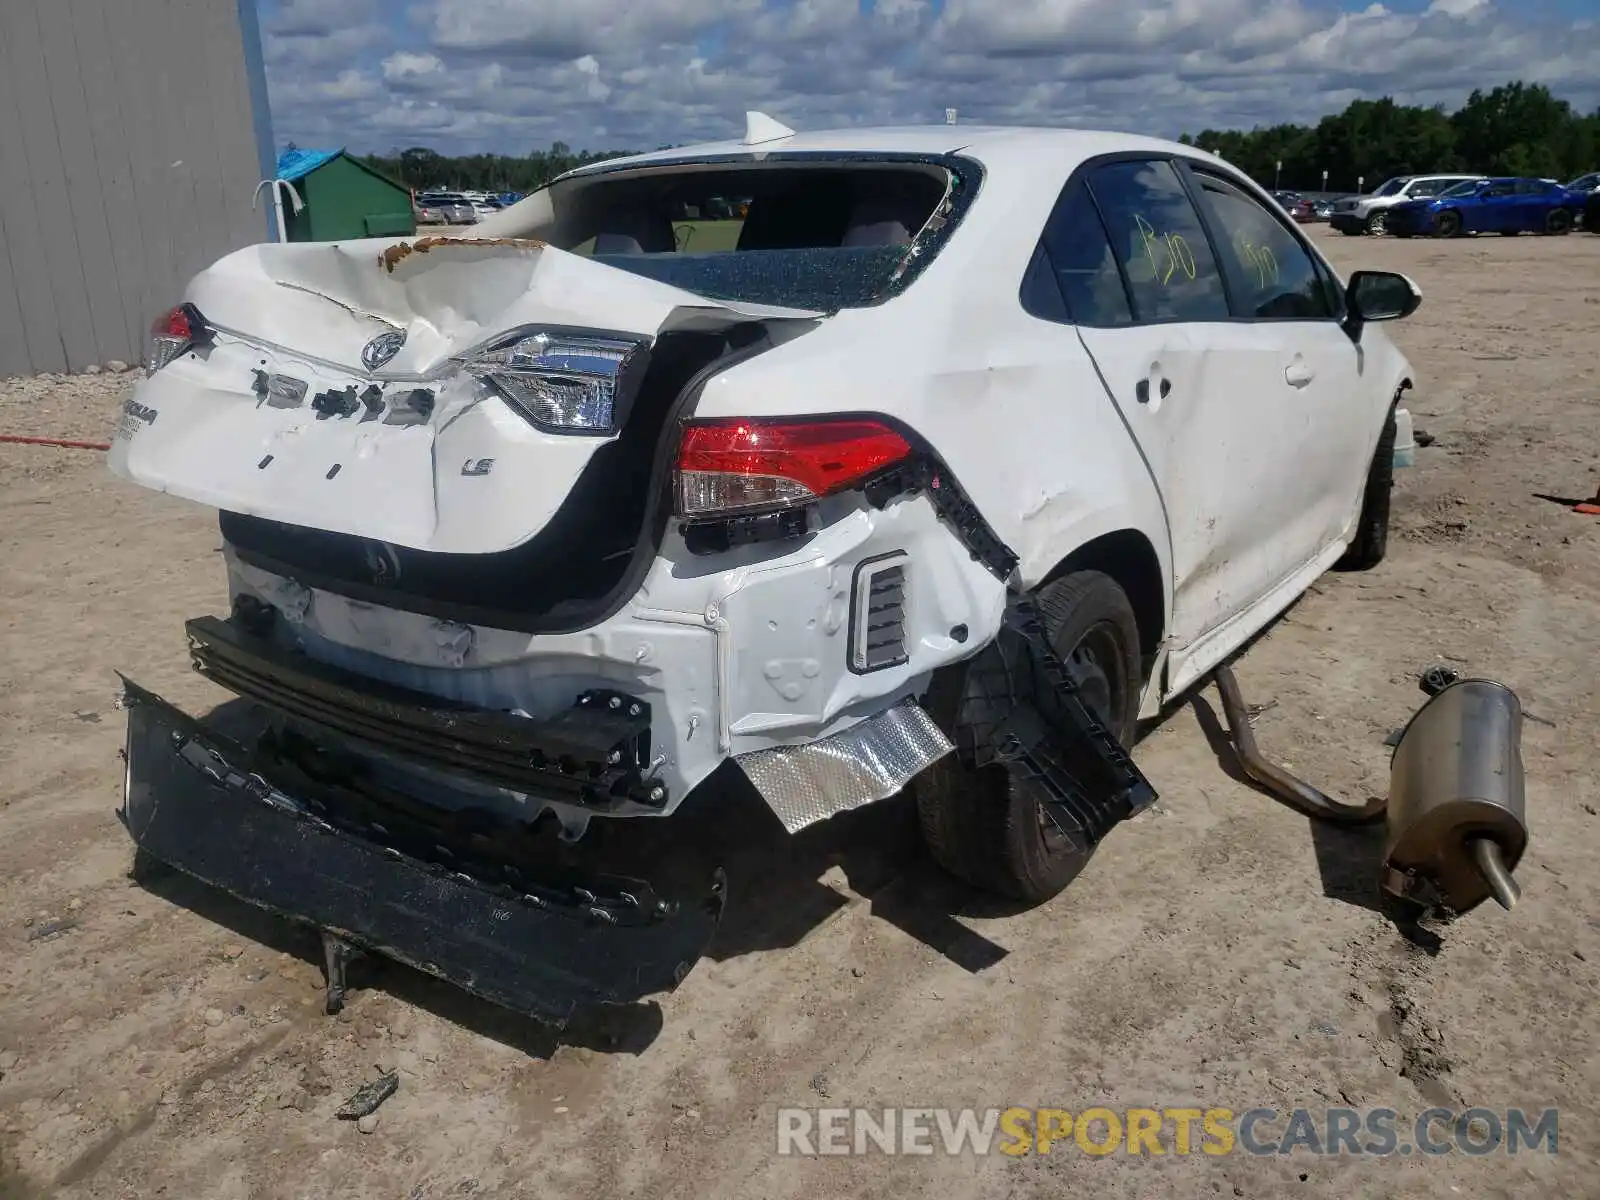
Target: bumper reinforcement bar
x,y
595,754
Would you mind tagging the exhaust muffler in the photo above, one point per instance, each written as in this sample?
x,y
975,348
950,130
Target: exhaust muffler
x,y
1457,808
1456,811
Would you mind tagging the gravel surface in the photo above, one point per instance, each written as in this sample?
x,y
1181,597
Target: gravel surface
x,y
159,1040
80,408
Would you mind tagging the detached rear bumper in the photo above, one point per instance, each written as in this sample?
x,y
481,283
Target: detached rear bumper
x,y
541,942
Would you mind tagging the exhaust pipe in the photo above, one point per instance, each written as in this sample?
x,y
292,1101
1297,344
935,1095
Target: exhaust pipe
x,y
1456,805
1290,788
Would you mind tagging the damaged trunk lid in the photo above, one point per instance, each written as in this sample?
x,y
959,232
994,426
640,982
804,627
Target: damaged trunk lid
x,y
442,395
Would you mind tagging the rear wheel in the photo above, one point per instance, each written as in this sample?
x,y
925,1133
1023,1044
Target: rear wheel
x,y
992,832
1558,221
1449,223
1371,540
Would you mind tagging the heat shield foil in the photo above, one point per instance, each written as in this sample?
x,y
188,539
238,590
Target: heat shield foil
x,y
869,761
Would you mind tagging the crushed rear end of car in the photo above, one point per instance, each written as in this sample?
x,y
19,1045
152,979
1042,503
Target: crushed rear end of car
x,y
497,596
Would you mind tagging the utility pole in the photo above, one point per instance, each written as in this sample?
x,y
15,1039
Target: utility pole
x,y
1277,175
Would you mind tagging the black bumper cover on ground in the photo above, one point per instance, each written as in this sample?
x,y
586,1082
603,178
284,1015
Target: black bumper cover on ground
x,y
202,803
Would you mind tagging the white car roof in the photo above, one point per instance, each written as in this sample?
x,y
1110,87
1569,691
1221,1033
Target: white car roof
x,y
982,142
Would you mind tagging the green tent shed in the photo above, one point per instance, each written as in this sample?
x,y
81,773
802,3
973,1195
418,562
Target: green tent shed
x,y
343,198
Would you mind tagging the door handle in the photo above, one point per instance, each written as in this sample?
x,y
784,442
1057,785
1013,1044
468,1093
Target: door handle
x,y
1141,390
1298,375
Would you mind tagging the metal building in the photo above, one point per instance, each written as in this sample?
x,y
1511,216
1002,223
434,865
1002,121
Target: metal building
x,y
132,136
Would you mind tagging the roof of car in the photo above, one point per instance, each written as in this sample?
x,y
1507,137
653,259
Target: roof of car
x,y
978,141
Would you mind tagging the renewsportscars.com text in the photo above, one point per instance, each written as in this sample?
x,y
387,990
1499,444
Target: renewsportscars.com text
x,y
1101,1131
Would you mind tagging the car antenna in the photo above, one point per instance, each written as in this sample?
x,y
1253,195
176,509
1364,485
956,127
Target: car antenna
x,y
759,128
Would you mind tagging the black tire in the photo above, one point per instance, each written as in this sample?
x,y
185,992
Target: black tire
x,y
1557,222
1371,540
979,825
1449,223
1378,223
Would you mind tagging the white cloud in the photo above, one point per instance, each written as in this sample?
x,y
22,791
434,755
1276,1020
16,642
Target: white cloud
x,y
1465,9
405,69
510,75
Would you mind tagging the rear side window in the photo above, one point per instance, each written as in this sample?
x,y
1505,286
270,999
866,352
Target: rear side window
x,y
1271,273
1159,243
1074,257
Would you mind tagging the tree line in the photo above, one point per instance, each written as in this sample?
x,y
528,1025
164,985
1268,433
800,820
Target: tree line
x,y
1515,129
425,170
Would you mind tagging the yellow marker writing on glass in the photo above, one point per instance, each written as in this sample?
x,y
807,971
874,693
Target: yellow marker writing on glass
x,y
1165,250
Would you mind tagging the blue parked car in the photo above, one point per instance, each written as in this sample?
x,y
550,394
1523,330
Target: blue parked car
x,y
1504,206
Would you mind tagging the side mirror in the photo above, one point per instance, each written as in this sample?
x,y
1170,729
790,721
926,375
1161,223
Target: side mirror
x,y
1378,296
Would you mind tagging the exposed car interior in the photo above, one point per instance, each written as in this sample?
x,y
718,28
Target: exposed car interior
x,y
770,206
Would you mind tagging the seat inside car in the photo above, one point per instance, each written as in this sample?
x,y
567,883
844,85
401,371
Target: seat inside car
x,y
635,231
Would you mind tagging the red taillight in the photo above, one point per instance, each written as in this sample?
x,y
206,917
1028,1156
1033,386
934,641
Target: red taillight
x,y
735,466
173,333
175,324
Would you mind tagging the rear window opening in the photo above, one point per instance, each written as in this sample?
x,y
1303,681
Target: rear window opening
x,y
811,234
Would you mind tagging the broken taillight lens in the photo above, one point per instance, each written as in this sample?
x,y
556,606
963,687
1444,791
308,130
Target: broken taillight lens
x,y
561,383
174,333
738,466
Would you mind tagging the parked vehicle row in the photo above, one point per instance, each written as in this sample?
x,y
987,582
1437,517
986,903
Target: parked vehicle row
x,y
1506,206
460,208
1466,204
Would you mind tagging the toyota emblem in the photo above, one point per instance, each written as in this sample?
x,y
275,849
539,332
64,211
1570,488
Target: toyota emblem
x,y
382,348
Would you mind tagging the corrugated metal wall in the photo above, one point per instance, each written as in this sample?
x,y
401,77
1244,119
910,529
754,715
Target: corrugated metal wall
x,y
130,147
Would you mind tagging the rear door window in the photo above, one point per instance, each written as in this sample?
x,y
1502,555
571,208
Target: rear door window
x,y
1159,242
1075,257
1272,275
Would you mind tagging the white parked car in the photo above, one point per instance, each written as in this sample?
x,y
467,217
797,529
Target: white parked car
x,y
993,439
1355,215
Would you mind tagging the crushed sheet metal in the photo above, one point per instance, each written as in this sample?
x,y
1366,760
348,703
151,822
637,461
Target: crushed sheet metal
x,y
349,308
400,251
867,762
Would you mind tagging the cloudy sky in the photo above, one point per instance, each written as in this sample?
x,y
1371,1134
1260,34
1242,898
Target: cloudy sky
x,y
513,75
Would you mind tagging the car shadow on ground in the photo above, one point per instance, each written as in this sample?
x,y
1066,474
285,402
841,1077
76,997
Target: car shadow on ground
x,y
780,887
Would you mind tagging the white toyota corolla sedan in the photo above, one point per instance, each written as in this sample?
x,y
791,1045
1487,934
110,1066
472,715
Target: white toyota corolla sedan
x,y
931,456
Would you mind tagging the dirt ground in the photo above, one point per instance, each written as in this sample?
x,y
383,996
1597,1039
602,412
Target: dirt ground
x,y
1220,951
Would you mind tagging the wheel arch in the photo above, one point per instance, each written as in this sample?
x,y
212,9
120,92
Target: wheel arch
x,y
1128,557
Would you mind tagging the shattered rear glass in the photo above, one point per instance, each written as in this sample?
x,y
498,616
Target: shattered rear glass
x,y
824,279
828,233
